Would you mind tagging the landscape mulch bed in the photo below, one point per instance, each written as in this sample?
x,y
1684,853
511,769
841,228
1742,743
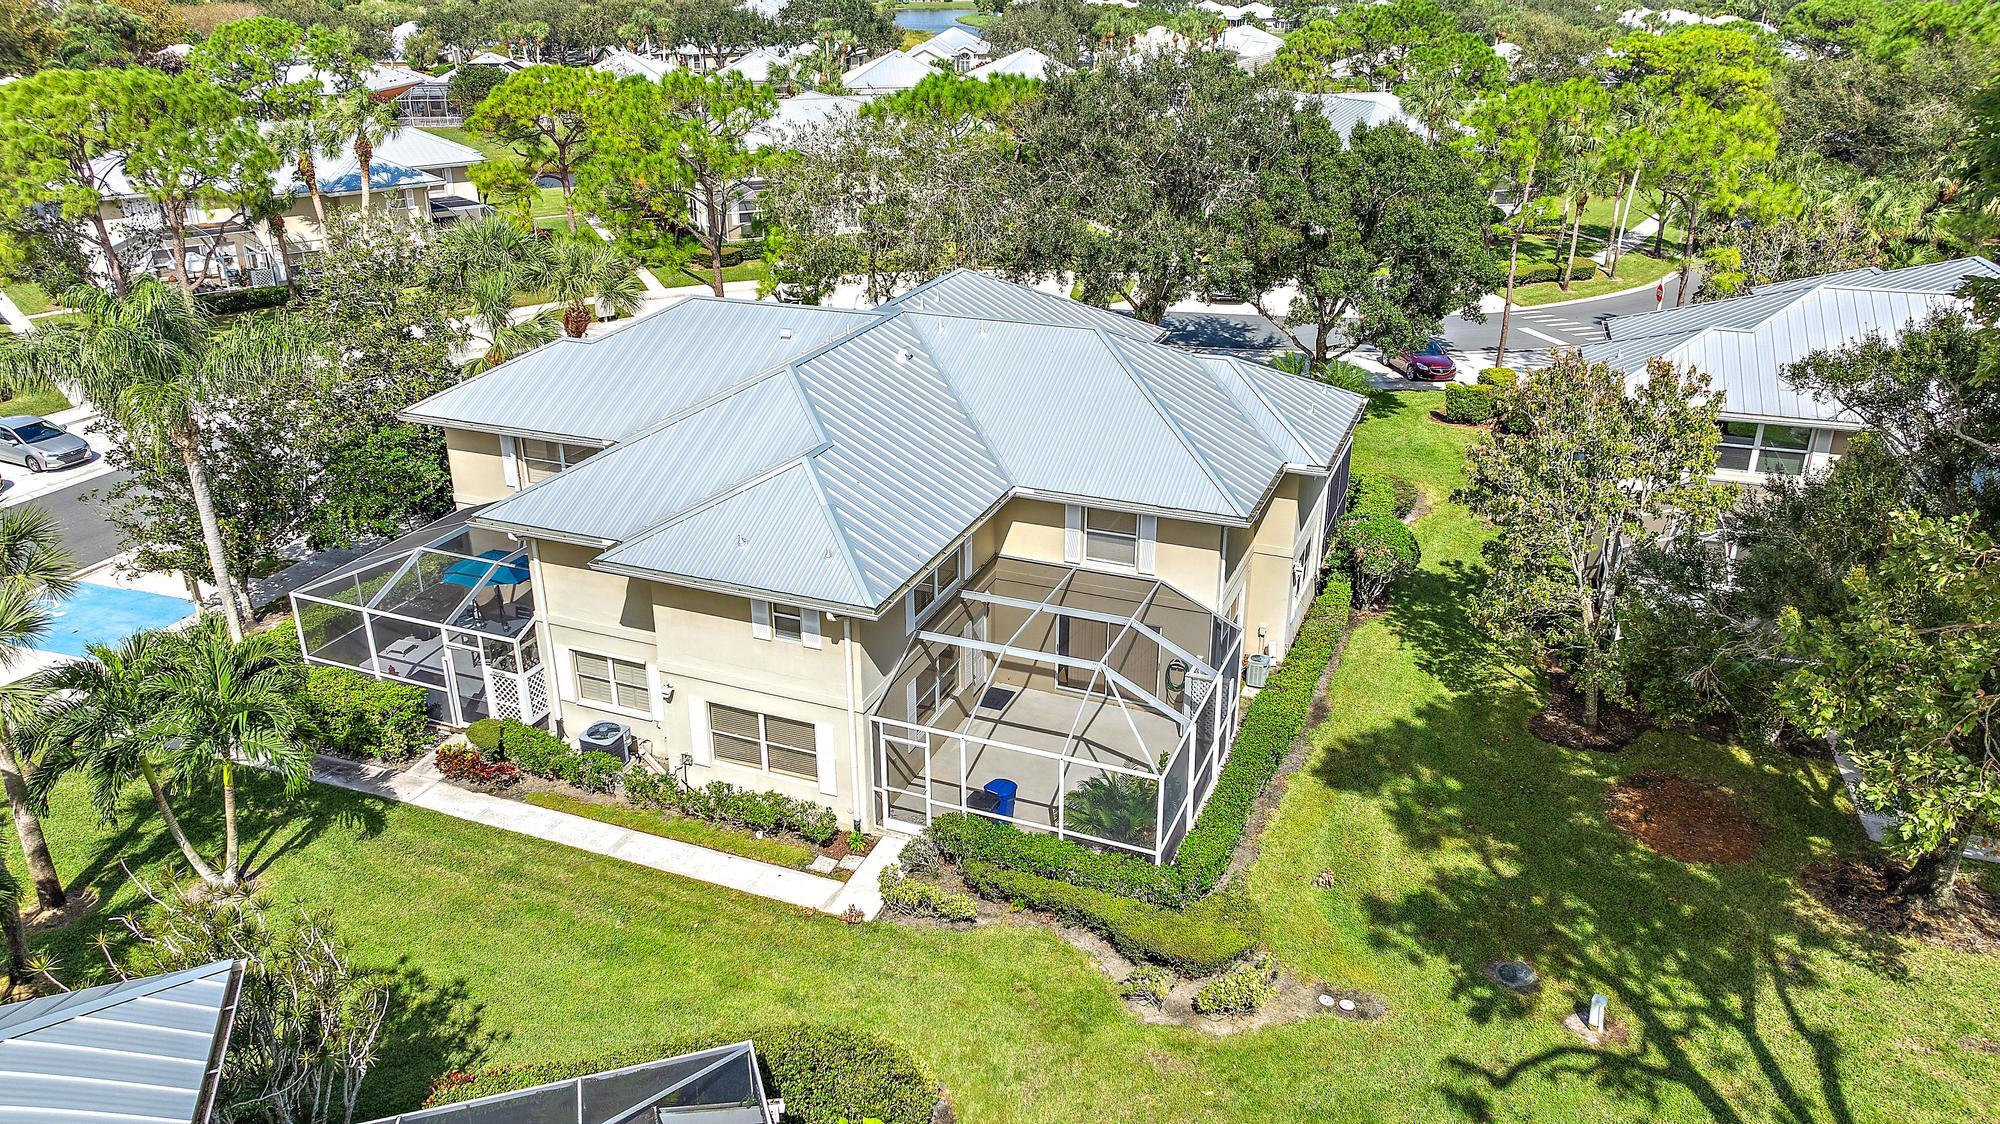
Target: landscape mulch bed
x,y
1561,722
1862,893
1683,818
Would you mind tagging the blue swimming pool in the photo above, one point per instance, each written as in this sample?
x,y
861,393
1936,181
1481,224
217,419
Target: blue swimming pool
x,y
102,614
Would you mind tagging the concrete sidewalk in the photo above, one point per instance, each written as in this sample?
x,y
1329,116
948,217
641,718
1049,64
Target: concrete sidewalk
x,y
423,786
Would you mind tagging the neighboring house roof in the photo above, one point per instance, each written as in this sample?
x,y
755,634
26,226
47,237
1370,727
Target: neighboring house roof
x,y
1250,43
626,64
893,71
759,65
1237,14
717,1086
488,58
341,175
802,114
1024,63
1362,107
404,158
769,9
144,1051
1745,343
858,450
951,41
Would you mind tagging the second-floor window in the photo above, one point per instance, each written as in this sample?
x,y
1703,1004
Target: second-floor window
x,y
542,459
932,587
1110,538
1778,450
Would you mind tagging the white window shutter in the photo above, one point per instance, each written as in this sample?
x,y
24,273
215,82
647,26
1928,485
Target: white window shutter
x,y
824,757
910,613
1149,534
809,622
702,747
510,472
1072,533
760,619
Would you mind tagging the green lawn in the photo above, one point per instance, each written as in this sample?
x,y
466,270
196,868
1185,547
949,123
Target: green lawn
x,y
30,298
42,403
489,148
1450,837
778,852
1636,269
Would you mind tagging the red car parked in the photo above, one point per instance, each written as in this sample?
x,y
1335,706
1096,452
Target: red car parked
x,y
1431,362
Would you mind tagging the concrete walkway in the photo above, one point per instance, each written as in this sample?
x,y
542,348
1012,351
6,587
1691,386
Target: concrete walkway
x,y
423,786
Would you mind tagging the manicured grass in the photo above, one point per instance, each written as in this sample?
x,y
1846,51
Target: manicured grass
x,y
701,833
1636,270
697,273
935,6
30,298
489,148
1450,836
979,19
41,403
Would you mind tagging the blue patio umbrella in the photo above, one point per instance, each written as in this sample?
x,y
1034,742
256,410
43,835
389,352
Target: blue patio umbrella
x,y
469,573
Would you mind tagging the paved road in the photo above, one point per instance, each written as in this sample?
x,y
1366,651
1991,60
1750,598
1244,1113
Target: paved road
x,y
1532,329
87,532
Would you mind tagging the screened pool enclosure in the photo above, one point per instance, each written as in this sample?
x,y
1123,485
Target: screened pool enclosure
x,y
1096,706
450,609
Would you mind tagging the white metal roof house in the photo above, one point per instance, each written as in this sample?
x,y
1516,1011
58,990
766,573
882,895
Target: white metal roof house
x,y
886,74
1744,345
1024,63
979,544
1362,107
140,1051
1252,45
414,175
621,63
958,47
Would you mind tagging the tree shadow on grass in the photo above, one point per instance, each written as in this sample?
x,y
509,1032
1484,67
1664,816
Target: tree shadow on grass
x,y
432,1028
279,824
1522,864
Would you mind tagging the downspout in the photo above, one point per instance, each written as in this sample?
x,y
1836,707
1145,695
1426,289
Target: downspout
x,y
854,730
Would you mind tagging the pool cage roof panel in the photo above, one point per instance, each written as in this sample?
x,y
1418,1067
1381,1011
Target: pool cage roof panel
x,y
1142,620
435,583
717,1086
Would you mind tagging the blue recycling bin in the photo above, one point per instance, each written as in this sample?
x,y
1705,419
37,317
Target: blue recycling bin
x,y
1002,791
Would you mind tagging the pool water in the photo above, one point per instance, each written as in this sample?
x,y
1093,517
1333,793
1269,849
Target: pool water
x,y
102,614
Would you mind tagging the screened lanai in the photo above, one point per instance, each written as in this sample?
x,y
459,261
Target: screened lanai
x,y
452,611
1093,705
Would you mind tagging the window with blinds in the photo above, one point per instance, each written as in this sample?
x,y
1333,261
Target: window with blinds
x,y
611,682
763,741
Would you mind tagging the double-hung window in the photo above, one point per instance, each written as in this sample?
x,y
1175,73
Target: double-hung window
x,y
764,741
1777,450
1110,538
542,459
936,684
788,622
932,587
609,681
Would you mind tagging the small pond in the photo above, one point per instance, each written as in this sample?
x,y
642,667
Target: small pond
x,y
933,20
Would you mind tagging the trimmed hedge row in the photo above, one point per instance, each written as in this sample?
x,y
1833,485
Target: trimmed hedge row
x,y
914,897
226,302
825,1074
365,716
1368,495
1471,405
543,754
1204,938
1270,722
722,802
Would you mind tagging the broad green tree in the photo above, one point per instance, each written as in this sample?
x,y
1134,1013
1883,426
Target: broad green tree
x,y
1381,236
671,156
1907,682
550,116
253,58
1586,469
185,140
56,129
156,367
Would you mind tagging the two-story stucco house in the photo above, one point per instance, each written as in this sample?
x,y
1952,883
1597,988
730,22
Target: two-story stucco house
x,y
980,547
1744,344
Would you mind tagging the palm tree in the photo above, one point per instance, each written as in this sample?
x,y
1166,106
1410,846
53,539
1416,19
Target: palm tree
x,y
156,366
231,701
491,263
104,721
367,122
582,271
34,570
303,140
14,932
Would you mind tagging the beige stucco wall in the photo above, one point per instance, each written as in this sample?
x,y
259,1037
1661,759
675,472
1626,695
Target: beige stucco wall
x,y
476,473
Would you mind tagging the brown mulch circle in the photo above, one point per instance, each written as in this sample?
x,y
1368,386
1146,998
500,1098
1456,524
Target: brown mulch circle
x,y
1438,417
1561,722
80,902
1860,892
1683,818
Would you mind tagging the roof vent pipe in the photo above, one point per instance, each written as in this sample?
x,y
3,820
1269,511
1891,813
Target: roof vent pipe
x,y
784,333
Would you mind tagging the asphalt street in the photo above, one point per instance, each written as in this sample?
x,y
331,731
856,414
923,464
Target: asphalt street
x,y
87,531
1535,329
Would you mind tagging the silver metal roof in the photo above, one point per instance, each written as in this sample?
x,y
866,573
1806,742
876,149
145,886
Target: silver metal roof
x,y
144,1051
963,292
1362,107
841,472
716,1086
1745,344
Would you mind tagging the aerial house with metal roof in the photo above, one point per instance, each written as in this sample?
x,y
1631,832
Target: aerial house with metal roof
x,y
982,547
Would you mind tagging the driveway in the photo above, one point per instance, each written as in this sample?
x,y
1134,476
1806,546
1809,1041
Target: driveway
x,y
18,485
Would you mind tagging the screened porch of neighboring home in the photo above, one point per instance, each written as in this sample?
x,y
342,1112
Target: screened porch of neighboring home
x,y
451,610
1096,706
